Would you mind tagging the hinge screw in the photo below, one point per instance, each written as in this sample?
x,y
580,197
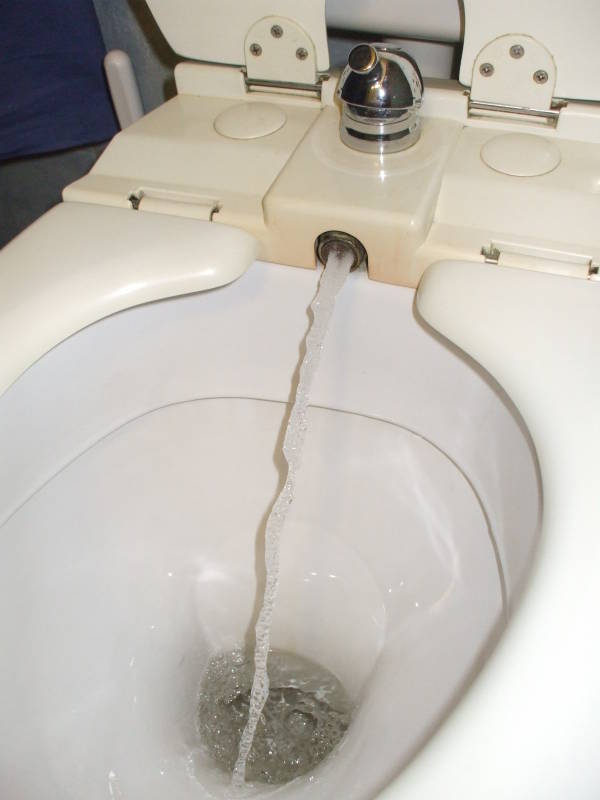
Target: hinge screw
x,y
302,53
277,31
540,76
487,69
517,51
255,49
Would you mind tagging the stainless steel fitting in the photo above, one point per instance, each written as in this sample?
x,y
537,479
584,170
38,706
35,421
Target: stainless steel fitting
x,y
340,242
381,91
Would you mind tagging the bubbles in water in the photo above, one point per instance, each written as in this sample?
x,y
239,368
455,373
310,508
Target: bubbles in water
x,y
305,716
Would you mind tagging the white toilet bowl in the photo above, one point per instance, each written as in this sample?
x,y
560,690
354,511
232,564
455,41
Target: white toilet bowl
x,y
140,455
140,459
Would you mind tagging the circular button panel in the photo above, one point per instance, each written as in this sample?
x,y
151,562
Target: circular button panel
x,y
521,154
250,121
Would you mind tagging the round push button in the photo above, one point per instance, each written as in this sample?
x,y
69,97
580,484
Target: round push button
x,y
520,154
250,121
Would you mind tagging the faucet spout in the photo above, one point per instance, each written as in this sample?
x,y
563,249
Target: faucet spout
x,y
340,243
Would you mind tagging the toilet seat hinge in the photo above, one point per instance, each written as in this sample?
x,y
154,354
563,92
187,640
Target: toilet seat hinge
x,y
277,46
173,203
308,89
515,76
556,262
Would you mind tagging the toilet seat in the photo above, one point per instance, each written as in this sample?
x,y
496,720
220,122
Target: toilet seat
x,y
115,259
539,335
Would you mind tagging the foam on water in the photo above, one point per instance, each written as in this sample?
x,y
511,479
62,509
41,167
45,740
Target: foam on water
x,y
305,716
332,280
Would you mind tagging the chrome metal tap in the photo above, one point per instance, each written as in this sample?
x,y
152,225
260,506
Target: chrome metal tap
x,y
381,90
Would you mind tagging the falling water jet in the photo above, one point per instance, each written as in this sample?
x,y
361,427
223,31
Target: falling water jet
x,y
339,252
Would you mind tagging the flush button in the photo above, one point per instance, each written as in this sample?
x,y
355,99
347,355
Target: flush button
x,y
250,121
520,154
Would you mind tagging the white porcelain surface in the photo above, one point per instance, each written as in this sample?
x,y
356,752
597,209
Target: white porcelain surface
x,y
140,462
137,563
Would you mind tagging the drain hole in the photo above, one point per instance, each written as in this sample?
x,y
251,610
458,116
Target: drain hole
x,y
305,717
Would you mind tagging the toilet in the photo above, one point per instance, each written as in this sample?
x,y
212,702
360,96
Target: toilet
x,y
441,554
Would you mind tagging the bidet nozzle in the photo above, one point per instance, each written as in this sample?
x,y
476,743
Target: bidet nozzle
x,y
340,242
381,90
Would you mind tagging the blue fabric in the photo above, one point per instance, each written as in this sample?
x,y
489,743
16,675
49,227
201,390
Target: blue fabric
x,y
53,94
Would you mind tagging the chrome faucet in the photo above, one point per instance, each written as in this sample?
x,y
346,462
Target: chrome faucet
x,y
381,90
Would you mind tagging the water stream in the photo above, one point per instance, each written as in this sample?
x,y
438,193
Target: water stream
x,y
332,280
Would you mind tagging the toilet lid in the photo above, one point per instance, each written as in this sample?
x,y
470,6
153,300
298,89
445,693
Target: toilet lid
x,y
568,31
216,31
81,262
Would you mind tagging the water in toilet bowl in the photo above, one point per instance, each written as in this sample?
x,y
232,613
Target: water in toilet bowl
x,y
305,716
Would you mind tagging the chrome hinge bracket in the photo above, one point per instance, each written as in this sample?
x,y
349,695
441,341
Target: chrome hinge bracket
x,y
276,46
515,75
